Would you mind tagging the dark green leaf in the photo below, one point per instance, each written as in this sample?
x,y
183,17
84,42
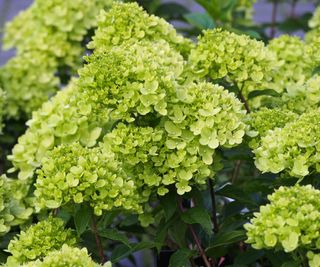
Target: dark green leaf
x,y
200,20
200,216
236,193
290,264
265,92
82,219
162,231
227,238
217,252
181,258
169,204
123,251
177,232
249,256
316,70
171,11
114,234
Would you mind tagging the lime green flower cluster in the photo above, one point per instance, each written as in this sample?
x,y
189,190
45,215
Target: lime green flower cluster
x,y
39,239
296,62
130,23
264,120
314,259
66,257
132,79
245,62
29,78
302,98
294,148
314,24
72,173
289,222
14,203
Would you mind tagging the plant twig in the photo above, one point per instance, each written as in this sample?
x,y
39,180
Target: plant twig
x,y
236,171
214,208
103,258
195,237
274,18
244,101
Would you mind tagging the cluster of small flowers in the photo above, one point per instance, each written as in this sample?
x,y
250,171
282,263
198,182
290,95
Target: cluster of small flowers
x,y
262,122
240,60
66,257
296,62
29,78
294,148
15,204
38,240
289,222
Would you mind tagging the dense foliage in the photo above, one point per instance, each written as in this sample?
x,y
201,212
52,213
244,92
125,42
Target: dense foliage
x,y
205,151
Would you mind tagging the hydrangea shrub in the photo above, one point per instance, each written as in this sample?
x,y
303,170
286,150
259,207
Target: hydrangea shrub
x,y
161,141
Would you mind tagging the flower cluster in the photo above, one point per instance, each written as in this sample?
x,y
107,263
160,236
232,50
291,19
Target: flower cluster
x,y
314,24
63,119
39,239
130,23
296,62
291,220
313,259
264,120
244,62
72,173
302,98
66,257
293,148
15,205
29,78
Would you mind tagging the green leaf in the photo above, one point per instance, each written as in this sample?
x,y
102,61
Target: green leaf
x,y
114,234
200,20
200,216
162,230
123,251
181,258
290,264
177,232
169,204
82,219
227,238
316,70
236,193
266,92
248,257
171,11
212,6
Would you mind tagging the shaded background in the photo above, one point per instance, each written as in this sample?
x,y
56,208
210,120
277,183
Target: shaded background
x,y
263,10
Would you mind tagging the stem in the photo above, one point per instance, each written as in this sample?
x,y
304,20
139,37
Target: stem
x,y
244,101
214,208
274,18
236,171
103,258
195,237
